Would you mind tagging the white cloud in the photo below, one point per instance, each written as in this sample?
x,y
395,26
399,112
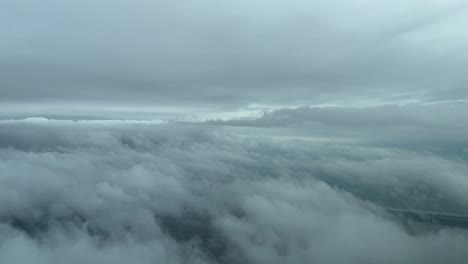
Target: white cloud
x,y
89,122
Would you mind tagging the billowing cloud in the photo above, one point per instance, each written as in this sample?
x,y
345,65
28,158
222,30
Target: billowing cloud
x,y
236,131
203,194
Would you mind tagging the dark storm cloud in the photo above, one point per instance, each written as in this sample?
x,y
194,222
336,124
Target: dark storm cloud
x,y
229,53
199,194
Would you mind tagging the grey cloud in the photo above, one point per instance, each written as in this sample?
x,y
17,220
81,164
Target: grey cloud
x,y
448,114
228,54
439,126
109,152
201,194
435,128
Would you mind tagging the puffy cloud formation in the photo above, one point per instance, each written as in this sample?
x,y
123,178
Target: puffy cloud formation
x,y
175,193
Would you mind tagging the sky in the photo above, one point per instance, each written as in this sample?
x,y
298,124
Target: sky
x,y
206,132
211,56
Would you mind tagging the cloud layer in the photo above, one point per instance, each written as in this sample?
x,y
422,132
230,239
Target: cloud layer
x,y
230,54
201,194
236,131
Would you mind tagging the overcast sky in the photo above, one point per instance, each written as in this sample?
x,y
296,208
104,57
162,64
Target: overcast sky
x,y
226,55
232,131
